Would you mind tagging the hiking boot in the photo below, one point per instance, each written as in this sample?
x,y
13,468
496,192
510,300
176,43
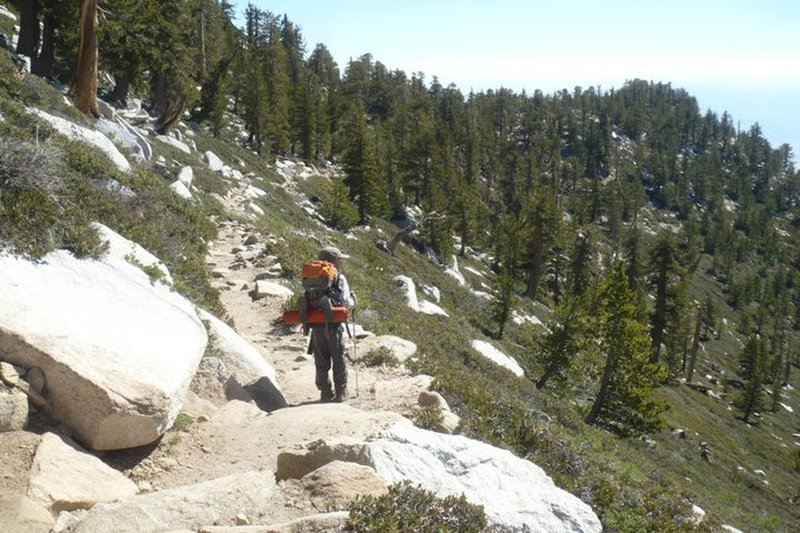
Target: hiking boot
x,y
341,395
326,395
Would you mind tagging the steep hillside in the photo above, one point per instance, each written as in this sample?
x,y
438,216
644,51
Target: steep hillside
x,y
485,231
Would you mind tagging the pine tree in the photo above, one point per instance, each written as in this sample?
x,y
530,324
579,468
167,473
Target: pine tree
x,y
252,92
360,165
323,94
663,267
337,209
623,401
581,263
214,97
754,365
127,40
559,347
545,224
507,251
278,99
172,84
29,36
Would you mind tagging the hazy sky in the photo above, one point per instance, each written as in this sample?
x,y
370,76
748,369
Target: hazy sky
x,y
740,56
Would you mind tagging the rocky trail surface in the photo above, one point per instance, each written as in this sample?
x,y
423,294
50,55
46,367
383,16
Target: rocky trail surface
x,y
229,437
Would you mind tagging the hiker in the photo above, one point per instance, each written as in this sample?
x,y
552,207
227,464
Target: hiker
x,y
328,341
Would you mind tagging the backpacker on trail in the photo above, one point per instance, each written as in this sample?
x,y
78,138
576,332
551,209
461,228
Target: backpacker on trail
x,y
323,310
323,300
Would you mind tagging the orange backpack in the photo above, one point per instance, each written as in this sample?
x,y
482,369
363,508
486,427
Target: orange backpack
x,y
319,279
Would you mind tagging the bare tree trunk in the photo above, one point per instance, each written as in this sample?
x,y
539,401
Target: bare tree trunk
x,y
84,87
171,115
537,260
695,344
602,394
787,368
203,55
160,96
120,94
43,65
28,41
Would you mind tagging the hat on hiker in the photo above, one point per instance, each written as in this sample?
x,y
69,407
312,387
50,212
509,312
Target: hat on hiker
x,y
331,253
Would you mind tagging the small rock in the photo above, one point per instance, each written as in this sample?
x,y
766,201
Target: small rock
x,y
242,520
13,409
9,374
431,398
66,520
168,463
220,272
680,433
145,486
649,442
268,288
251,239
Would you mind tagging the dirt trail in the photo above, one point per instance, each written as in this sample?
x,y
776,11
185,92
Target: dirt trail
x,y
285,349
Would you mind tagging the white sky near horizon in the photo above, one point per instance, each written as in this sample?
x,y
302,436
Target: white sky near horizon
x,y
740,56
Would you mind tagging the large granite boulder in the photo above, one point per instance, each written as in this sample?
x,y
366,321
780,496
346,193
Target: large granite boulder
x,y
117,350
80,133
246,365
516,494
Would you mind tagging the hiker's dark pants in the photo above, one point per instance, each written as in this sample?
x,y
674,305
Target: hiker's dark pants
x,y
329,349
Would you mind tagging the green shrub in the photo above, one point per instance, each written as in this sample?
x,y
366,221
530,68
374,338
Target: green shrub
x,y
409,508
37,211
337,209
182,422
427,417
380,356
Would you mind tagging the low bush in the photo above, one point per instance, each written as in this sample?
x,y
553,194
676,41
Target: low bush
x,y
380,356
427,417
409,508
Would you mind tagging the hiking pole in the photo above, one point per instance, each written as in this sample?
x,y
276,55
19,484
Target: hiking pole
x,y
355,353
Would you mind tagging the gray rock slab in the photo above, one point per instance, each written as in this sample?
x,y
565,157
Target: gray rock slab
x,y
190,507
64,477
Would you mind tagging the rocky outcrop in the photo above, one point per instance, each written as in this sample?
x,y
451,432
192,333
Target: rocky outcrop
x,y
334,521
117,351
450,420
